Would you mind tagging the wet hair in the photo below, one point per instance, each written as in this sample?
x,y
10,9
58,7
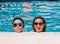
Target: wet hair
x,y
18,19
39,17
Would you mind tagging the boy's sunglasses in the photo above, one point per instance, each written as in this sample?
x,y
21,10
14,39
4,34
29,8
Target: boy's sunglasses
x,y
17,24
38,23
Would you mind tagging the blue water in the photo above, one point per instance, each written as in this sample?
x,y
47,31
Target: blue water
x,y
50,11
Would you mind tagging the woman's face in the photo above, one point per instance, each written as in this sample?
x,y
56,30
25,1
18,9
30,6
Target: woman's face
x,y
38,25
18,25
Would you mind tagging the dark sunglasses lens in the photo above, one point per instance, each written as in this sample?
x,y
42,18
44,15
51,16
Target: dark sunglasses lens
x,y
19,24
38,23
35,23
15,25
41,23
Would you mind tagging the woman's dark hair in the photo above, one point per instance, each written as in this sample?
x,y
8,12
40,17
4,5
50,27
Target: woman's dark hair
x,y
18,19
39,17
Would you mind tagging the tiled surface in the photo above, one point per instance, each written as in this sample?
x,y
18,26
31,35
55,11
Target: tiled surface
x,y
30,38
50,11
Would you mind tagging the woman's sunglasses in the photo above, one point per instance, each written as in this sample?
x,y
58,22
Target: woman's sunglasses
x,y
38,23
17,24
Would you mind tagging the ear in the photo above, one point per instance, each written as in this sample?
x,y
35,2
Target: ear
x,y
12,26
23,26
32,25
44,24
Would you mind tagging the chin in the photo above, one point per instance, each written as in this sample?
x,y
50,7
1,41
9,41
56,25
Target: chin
x,y
38,31
18,31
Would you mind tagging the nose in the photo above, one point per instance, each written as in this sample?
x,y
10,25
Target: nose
x,y
38,25
17,26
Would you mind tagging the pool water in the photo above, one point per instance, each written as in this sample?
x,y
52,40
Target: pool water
x,y
50,11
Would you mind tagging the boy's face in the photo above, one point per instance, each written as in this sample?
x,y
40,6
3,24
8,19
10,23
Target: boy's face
x,y
18,25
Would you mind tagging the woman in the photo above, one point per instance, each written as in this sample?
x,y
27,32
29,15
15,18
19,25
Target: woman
x,y
39,24
18,24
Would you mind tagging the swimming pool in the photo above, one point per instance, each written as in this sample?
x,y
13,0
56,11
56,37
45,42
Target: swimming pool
x,y
50,11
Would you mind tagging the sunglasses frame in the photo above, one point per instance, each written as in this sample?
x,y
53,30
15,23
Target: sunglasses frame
x,y
38,23
18,24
